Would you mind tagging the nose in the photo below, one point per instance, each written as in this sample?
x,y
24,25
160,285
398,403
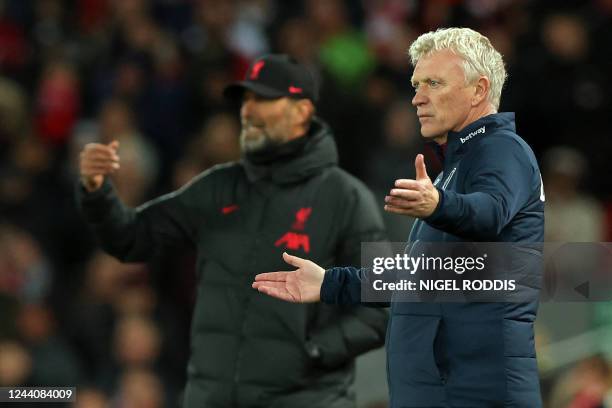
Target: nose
x,y
419,98
248,102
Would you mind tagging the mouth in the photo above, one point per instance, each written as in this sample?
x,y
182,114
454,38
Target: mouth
x,y
252,131
250,127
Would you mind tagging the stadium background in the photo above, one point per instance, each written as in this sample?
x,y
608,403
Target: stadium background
x,y
151,74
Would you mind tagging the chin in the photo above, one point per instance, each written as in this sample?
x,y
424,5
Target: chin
x,y
428,133
432,133
251,143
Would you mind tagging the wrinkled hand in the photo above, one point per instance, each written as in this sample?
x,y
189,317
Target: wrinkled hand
x,y
96,162
300,286
417,198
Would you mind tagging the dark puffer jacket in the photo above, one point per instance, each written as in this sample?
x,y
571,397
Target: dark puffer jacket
x,y
247,349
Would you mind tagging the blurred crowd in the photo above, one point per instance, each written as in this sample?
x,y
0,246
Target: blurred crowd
x,y
151,73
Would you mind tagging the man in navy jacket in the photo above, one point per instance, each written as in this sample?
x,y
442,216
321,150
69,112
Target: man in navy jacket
x,y
453,354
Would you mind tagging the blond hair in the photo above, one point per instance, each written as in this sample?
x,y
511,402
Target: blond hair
x,y
479,56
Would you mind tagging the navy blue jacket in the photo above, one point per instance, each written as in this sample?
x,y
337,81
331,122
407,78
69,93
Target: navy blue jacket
x,y
467,354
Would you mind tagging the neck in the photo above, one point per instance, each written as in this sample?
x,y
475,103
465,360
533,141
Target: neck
x,y
441,139
473,116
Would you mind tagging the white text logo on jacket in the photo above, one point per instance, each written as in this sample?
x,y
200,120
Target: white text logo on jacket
x,y
471,135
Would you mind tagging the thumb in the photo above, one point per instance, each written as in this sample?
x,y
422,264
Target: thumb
x,y
419,164
293,260
114,145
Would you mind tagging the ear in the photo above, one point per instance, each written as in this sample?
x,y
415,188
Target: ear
x,y
304,110
482,87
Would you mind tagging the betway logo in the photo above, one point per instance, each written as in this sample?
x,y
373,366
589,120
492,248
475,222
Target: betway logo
x,y
471,135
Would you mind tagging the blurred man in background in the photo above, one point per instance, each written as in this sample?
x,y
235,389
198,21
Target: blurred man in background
x,y
286,194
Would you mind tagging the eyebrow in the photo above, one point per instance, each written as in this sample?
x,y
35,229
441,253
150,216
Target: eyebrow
x,y
426,79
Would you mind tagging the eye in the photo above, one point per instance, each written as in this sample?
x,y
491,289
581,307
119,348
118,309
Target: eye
x,y
433,83
415,85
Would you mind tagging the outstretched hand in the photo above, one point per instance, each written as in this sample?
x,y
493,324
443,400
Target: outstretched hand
x,y
417,198
300,286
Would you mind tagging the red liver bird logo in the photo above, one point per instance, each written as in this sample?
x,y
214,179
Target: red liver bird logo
x,y
294,240
301,216
256,68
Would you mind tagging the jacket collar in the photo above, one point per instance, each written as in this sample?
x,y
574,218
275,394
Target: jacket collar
x,y
461,141
319,151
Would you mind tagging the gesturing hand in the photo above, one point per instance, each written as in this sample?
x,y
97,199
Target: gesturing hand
x,y
97,161
417,198
300,286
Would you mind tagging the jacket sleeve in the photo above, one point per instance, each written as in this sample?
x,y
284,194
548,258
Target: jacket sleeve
x,y
359,328
134,234
499,183
342,286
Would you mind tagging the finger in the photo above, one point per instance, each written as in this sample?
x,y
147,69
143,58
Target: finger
x,y
96,167
93,170
400,202
272,276
103,152
100,162
405,194
419,164
398,210
294,260
408,184
98,147
270,284
114,145
277,293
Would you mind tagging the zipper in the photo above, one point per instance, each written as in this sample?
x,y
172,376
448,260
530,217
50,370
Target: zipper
x,y
449,178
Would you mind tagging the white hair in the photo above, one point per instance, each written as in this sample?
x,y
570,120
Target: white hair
x,y
479,56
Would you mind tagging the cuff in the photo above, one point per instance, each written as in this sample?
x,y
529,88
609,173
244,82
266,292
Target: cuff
x,y
94,205
437,212
87,196
329,287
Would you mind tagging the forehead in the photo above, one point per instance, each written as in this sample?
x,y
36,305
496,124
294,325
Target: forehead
x,y
439,64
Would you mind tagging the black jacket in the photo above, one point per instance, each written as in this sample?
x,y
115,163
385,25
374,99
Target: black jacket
x,y
248,349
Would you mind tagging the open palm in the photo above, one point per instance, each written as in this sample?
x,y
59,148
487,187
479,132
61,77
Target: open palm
x,y
300,286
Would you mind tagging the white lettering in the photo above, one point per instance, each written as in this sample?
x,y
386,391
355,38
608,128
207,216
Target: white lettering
x,y
377,267
472,134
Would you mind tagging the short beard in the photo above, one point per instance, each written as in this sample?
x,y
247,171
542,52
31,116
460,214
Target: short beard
x,y
251,145
263,141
